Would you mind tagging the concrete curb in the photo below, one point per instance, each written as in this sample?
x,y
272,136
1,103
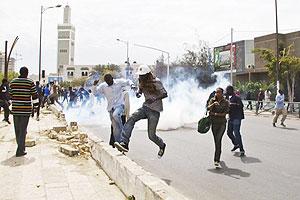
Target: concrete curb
x,y
292,117
131,178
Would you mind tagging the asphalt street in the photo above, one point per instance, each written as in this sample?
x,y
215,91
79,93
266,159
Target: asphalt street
x,y
270,169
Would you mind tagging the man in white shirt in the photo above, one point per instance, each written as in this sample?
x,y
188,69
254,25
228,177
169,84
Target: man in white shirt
x,y
279,108
112,89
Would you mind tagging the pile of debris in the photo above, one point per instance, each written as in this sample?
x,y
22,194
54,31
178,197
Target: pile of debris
x,y
73,142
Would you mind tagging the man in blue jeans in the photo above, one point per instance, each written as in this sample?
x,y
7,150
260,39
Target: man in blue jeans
x,y
112,89
154,92
236,114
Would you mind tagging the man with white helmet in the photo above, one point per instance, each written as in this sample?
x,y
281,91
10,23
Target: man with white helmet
x,y
154,92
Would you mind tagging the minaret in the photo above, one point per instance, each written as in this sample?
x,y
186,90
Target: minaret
x,y
66,43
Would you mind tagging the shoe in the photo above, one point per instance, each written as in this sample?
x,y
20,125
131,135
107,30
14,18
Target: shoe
x,y
161,151
242,153
6,120
235,147
217,165
282,124
21,154
121,146
274,125
37,119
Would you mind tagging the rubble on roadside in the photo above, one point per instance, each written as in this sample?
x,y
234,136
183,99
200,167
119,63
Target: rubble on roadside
x,y
73,142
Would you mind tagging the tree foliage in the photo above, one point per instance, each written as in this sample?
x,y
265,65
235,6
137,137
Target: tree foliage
x,y
74,83
112,69
288,70
196,56
11,75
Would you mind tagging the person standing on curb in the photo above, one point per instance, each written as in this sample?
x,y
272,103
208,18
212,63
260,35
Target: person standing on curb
x,y
112,89
39,91
218,107
154,92
279,109
4,100
260,98
21,91
236,114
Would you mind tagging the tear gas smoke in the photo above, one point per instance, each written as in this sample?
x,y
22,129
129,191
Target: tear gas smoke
x,y
185,105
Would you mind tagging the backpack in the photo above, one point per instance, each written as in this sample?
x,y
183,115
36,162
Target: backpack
x,y
204,124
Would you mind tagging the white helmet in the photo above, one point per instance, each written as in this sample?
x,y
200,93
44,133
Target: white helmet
x,y
143,69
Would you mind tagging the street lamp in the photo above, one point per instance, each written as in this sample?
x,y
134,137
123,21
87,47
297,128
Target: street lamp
x,y
127,69
168,65
41,25
277,48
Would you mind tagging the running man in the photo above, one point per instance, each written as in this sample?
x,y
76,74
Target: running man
x,y
154,92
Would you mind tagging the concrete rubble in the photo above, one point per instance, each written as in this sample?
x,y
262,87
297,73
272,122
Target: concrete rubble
x,y
73,142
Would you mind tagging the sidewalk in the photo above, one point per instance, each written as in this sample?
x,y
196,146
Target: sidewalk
x,y
45,173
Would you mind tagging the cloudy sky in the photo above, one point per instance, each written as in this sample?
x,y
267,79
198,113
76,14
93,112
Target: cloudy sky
x,y
165,24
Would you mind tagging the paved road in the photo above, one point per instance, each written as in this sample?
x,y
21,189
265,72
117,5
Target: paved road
x,y
270,170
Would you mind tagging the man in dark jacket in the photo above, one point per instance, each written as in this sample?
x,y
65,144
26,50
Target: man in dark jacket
x,y
236,114
4,99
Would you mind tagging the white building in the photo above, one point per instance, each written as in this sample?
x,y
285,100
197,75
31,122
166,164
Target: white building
x,y
66,51
11,64
66,43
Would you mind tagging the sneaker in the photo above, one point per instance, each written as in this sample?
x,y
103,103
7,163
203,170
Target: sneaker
x,y
161,151
274,125
21,154
235,147
6,120
282,124
121,146
242,153
217,165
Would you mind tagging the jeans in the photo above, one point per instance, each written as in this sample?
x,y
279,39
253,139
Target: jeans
x,y
218,130
5,105
143,113
233,132
20,124
116,121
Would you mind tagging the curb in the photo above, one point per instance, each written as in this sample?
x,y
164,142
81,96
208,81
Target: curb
x,y
270,115
131,178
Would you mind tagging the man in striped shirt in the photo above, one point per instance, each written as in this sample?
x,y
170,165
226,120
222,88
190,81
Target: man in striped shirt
x,y
22,90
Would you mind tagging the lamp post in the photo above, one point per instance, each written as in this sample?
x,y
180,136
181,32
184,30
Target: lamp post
x,y
41,25
127,69
277,48
168,54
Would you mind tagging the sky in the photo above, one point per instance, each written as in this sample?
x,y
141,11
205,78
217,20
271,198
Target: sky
x,y
169,25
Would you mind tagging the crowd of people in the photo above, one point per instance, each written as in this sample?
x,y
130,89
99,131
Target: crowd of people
x,y
28,97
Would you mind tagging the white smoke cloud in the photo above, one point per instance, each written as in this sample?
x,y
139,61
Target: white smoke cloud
x,y
185,105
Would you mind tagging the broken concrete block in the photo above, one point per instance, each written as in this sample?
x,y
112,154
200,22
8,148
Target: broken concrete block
x,y
52,135
59,128
74,128
46,112
68,150
30,142
73,124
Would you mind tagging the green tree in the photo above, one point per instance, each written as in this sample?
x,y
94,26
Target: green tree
x,y
112,69
11,75
288,70
196,56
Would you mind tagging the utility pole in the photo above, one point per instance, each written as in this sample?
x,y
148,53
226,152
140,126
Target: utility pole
x,y
231,54
277,49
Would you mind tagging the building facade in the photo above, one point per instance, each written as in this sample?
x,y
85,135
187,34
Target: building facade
x,y
11,64
242,58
